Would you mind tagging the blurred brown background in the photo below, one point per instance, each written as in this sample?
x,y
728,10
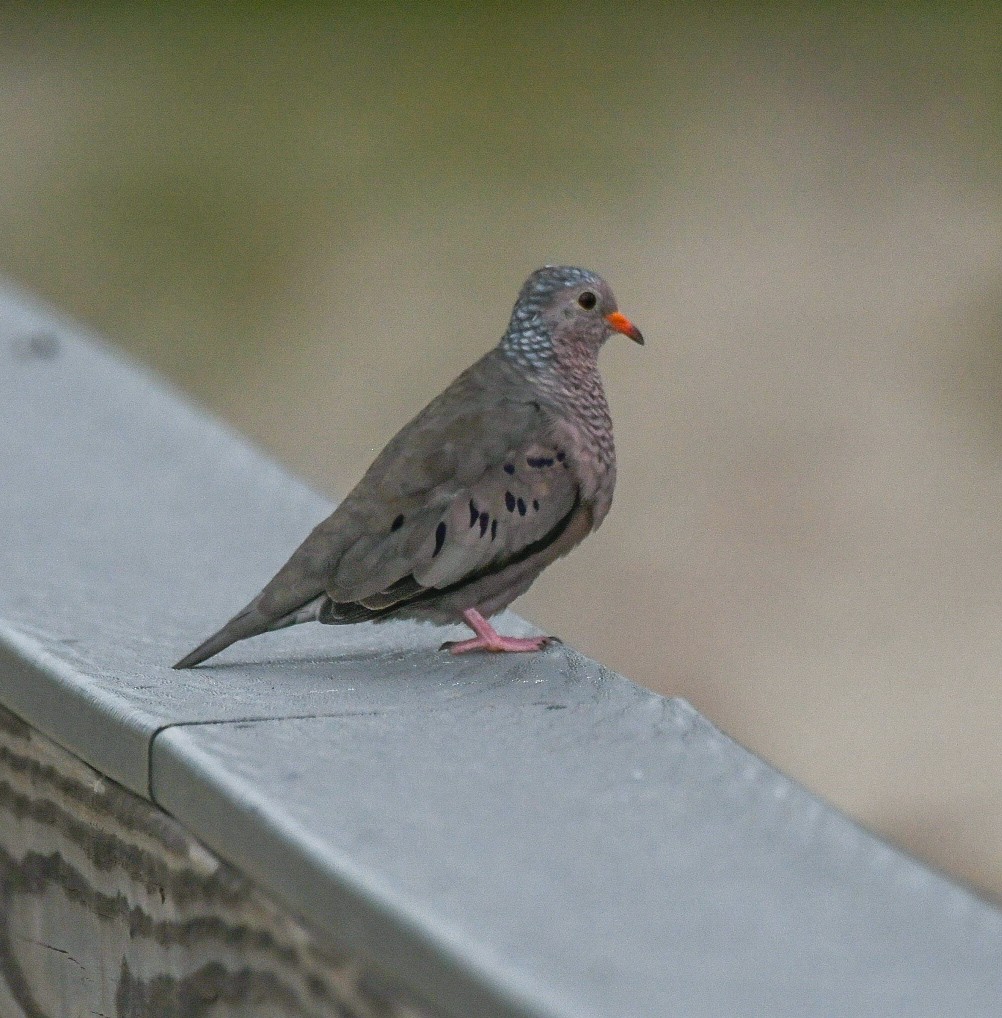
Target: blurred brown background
x,y
313,219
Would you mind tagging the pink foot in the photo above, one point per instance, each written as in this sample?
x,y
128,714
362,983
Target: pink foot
x,y
489,639
499,644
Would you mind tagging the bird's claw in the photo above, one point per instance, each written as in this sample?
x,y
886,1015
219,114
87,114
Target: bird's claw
x,y
500,644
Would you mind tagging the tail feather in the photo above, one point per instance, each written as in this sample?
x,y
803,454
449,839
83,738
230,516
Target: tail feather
x,y
250,622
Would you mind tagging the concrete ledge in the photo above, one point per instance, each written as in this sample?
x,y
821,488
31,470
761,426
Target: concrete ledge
x,y
528,836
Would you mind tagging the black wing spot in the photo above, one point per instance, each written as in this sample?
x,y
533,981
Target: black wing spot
x,y
397,523
439,538
521,507
494,529
484,520
561,455
509,468
539,461
535,504
509,501
474,512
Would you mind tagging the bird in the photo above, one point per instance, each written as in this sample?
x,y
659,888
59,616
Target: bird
x,y
504,472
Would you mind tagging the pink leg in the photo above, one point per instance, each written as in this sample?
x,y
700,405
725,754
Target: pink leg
x,y
489,639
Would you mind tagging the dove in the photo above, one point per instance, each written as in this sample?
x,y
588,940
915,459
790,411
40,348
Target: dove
x,y
504,472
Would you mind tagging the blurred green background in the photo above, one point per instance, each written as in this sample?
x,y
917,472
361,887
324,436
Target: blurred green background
x,y
313,217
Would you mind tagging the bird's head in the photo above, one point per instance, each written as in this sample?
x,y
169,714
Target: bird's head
x,y
562,309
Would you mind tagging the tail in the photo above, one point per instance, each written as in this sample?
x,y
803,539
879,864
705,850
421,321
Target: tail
x,y
252,621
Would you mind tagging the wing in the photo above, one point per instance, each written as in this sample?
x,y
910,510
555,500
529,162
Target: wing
x,y
516,505
387,526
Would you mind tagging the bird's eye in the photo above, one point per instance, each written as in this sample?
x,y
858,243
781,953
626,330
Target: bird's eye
x,y
587,300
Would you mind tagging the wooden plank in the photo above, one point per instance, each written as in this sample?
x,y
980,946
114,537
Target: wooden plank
x,y
108,907
572,845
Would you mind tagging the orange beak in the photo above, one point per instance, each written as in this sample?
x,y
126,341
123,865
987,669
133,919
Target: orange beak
x,y
620,323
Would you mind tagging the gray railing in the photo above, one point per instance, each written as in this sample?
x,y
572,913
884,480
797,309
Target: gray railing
x,y
345,820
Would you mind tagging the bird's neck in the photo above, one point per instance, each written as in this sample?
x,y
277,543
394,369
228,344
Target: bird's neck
x,y
570,382
566,375
581,391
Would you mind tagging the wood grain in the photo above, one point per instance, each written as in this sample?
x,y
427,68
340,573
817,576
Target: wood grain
x,y
108,907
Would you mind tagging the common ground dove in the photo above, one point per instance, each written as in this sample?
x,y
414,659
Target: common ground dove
x,y
504,472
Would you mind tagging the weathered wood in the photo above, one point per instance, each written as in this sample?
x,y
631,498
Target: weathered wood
x,y
108,907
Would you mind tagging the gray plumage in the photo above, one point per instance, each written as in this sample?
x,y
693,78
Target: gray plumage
x,y
504,472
